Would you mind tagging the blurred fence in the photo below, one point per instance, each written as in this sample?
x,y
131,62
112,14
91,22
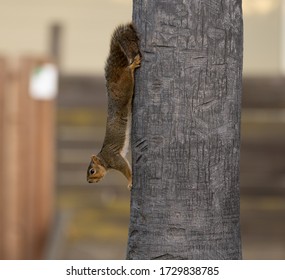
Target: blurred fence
x,y
27,150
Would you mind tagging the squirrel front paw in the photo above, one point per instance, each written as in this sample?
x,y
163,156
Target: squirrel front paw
x,y
130,185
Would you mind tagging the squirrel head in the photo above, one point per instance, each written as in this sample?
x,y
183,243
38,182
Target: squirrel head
x,y
96,171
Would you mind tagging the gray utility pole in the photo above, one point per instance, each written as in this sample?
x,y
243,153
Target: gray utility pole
x,y
186,130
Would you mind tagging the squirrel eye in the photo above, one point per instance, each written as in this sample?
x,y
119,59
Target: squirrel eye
x,y
92,171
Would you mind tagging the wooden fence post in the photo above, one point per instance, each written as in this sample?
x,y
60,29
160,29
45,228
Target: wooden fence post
x,y
40,152
28,161
10,168
27,149
3,79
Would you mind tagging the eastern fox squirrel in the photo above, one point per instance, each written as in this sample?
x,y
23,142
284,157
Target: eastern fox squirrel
x,y
124,57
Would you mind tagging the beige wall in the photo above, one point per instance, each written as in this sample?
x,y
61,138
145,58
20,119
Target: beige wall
x,y
24,28
263,37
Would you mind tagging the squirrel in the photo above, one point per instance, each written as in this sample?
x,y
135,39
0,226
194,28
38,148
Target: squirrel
x,y
124,57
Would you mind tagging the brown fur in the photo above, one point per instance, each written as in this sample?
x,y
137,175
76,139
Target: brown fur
x,y
124,58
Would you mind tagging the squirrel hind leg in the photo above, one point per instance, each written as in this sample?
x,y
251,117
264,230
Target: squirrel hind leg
x,y
136,62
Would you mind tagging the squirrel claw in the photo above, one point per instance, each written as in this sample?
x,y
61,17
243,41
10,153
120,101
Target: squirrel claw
x,y
130,186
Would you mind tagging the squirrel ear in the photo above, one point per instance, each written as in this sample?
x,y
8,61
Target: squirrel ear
x,y
94,158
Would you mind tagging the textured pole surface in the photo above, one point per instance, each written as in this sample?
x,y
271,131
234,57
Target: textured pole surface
x,y
186,130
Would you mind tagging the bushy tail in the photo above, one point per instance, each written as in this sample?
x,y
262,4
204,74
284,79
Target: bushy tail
x,y
126,37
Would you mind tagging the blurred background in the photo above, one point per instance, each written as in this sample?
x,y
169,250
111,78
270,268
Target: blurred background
x,y
47,210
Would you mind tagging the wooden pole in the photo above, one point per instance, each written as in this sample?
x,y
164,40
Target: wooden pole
x,y
55,43
186,131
